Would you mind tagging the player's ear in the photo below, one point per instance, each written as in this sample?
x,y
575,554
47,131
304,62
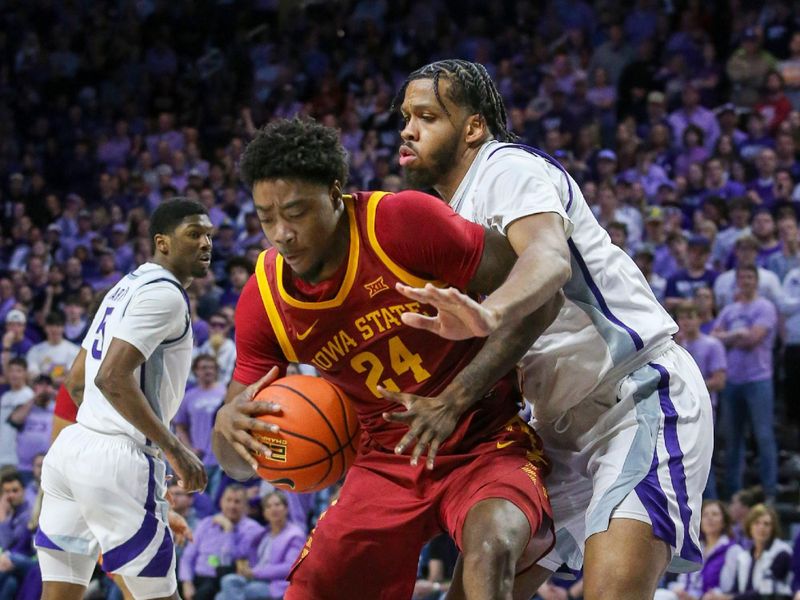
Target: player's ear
x,y
335,192
476,129
161,243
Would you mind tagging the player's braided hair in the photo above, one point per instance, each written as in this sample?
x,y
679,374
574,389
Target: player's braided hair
x,y
471,86
295,149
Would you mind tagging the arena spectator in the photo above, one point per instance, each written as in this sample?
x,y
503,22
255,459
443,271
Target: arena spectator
x,y
788,258
218,540
748,67
33,421
75,321
262,570
774,105
437,563
195,417
682,285
709,354
55,355
726,289
220,346
747,328
720,556
17,395
706,309
692,112
740,213
765,569
790,311
15,341
238,270
16,556
764,230
718,182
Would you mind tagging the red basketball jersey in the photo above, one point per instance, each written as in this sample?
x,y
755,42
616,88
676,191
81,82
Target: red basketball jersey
x,y
357,340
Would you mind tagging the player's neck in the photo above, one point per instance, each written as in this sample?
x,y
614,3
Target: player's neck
x,y
163,261
448,184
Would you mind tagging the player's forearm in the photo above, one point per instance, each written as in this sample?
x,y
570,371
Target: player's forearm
x,y
127,398
540,272
502,351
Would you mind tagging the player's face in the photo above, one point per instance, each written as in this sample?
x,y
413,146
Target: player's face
x,y
431,137
190,245
302,220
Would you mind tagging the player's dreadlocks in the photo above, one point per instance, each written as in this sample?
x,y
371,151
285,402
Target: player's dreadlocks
x,y
470,87
295,149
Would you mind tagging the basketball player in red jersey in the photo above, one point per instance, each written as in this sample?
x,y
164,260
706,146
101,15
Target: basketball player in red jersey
x,y
325,295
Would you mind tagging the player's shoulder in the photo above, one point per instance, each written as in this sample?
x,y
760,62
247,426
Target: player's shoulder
x,y
505,155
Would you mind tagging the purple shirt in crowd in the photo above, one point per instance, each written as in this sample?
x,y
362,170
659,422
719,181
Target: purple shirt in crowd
x,y
683,285
709,354
197,412
34,437
14,533
747,365
271,556
212,547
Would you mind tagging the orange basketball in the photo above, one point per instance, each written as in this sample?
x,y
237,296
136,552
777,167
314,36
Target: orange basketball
x,y
318,437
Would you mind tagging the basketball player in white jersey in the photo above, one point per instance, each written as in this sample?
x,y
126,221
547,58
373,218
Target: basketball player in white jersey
x,y
104,477
623,411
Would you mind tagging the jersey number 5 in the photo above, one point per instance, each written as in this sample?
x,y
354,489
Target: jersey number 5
x,y
100,335
401,359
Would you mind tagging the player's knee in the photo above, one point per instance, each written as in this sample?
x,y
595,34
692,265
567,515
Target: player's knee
x,y
627,583
495,553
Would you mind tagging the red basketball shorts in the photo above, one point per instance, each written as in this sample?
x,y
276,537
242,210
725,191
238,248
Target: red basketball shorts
x,y
367,545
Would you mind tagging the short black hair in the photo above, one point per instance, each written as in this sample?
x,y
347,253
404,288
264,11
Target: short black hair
x,y
168,215
18,361
300,149
55,317
11,476
239,261
471,87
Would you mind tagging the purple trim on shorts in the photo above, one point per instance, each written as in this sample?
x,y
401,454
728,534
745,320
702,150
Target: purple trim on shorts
x,y
637,340
133,547
677,473
41,540
655,502
162,561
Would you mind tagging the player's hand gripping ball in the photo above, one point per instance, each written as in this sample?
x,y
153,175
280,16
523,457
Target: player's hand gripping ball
x,y
318,436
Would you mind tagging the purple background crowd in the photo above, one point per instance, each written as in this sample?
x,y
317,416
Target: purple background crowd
x,y
679,119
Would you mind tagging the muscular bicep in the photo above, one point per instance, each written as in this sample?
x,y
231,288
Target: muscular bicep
x,y
496,261
543,232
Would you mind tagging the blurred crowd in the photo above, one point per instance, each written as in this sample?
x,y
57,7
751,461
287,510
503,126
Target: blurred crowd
x,y
680,119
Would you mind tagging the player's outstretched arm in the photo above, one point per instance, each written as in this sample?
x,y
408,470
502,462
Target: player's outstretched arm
x,y
115,380
541,269
232,440
432,420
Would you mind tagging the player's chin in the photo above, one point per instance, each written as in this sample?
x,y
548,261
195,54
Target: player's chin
x,y
201,269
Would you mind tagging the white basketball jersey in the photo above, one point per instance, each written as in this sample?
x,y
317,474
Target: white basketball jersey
x,y
149,309
611,323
